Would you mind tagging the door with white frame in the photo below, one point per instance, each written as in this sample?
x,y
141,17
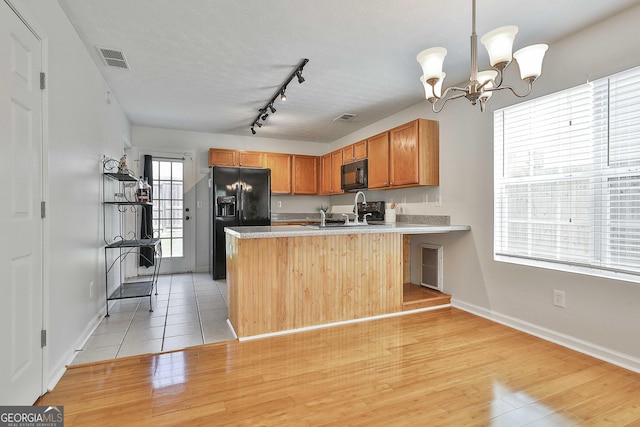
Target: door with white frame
x,y
21,223
173,213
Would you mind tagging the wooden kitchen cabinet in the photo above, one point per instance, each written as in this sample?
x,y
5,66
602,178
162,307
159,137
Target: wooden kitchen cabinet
x,y
336,172
223,157
360,150
235,158
405,156
330,174
325,174
250,159
280,165
353,152
378,164
414,154
304,178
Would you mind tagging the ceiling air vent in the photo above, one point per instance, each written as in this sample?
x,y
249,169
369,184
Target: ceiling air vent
x,y
113,57
346,117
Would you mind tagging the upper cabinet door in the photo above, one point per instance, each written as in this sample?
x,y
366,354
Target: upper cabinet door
x,y
325,174
414,154
223,157
336,172
360,150
379,161
304,178
251,159
347,154
280,165
403,155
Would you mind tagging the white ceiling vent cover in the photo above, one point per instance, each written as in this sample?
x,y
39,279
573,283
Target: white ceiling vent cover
x,y
113,57
346,117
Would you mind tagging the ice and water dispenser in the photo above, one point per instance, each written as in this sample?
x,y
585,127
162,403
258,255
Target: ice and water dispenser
x,y
226,206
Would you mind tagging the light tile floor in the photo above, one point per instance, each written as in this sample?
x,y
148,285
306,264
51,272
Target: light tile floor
x,y
190,309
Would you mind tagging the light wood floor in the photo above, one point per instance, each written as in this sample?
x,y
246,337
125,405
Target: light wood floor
x,y
443,367
416,296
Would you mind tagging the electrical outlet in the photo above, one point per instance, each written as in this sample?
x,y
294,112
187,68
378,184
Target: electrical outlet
x,y
199,204
438,200
279,203
559,298
90,289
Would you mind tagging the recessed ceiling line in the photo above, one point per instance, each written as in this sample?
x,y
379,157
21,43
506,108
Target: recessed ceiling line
x,y
262,112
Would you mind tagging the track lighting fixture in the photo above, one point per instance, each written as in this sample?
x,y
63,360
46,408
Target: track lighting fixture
x,y
262,113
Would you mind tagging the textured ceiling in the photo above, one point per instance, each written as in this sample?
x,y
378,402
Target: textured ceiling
x,y
209,65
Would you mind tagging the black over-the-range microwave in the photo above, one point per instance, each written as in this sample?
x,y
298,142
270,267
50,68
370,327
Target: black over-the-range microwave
x,y
354,175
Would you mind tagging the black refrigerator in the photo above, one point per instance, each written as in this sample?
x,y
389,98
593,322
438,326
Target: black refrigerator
x,y
239,197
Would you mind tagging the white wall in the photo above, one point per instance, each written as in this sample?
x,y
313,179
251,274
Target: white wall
x,y
82,127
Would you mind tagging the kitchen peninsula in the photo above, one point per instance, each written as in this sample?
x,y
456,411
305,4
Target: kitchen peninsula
x,y
289,277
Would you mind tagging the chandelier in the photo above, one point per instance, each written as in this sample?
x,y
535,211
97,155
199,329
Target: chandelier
x,y
482,84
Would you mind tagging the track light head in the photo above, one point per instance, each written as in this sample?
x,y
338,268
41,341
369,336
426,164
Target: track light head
x,y
253,131
259,124
283,97
273,110
299,75
264,116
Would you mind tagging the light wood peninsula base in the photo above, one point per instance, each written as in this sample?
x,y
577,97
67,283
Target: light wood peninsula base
x,y
282,283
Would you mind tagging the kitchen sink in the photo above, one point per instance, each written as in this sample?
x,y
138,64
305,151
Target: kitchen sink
x,y
341,224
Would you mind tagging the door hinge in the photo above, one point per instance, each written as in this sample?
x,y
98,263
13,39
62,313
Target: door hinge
x,y
43,81
43,209
43,338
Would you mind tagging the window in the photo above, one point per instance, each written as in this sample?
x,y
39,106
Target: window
x,y
567,179
168,205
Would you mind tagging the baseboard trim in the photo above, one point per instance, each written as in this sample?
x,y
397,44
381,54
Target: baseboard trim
x,y
343,322
622,360
57,373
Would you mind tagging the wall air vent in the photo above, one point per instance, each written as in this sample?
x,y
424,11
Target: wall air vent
x,y
346,117
113,57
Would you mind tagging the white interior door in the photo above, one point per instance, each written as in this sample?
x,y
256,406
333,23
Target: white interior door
x,y
21,359
173,212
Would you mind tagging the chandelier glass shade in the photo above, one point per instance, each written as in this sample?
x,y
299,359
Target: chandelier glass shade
x,y
482,84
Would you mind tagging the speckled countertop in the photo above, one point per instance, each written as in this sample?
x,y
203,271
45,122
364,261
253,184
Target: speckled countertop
x,y
268,231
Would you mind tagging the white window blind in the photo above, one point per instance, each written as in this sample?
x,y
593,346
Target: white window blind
x,y
567,178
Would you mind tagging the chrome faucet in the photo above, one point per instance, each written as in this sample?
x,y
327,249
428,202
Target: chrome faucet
x,y
355,206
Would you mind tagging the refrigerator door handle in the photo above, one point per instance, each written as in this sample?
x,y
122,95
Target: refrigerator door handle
x,y
240,198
